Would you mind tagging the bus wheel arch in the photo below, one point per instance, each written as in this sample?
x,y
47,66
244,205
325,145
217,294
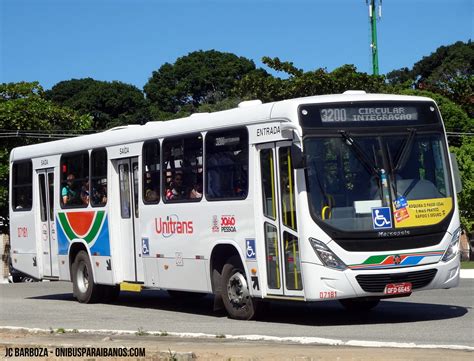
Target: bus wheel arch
x,y
219,256
74,249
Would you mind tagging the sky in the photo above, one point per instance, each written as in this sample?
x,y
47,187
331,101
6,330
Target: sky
x,y
126,40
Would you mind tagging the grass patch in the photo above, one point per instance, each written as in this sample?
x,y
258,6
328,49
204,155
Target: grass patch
x,y
172,355
141,332
163,333
467,265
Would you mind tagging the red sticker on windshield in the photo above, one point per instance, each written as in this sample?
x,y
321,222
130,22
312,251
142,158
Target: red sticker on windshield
x,y
401,214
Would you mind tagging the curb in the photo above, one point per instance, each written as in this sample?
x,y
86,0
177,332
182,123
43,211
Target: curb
x,y
296,340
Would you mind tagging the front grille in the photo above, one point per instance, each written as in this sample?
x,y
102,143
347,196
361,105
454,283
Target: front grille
x,y
377,283
380,244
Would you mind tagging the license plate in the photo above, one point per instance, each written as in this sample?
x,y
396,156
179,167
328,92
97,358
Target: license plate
x,y
397,288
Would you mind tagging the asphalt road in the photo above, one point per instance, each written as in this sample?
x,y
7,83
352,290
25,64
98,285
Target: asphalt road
x,y
439,317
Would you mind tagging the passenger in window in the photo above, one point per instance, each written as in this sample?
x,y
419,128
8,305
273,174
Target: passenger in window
x,y
99,193
67,193
85,192
21,201
176,190
151,194
196,192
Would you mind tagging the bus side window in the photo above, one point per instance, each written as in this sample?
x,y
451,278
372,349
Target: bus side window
x,y
227,164
98,191
151,172
22,186
182,169
75,180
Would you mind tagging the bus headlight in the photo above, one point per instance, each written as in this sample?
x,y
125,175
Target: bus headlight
x,y
327,257
453,248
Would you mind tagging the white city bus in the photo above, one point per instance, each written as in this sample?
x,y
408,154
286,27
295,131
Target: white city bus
x,y
348,197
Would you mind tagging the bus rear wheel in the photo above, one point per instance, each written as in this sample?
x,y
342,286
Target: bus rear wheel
x,y
84,288
235,291
359,304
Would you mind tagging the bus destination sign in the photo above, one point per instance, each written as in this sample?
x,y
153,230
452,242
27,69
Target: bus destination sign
x,y
368,114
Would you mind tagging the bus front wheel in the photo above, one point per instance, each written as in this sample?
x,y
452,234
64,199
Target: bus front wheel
x,y
235,291
84,288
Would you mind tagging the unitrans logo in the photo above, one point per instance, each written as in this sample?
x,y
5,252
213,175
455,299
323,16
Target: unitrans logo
x,y
172,225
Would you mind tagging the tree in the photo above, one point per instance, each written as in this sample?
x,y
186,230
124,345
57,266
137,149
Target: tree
x,y
197,78
466,169
23,107
448,71
263,86
454,117
110,103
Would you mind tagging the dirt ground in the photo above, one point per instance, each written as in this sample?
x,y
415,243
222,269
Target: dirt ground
x,y
166,347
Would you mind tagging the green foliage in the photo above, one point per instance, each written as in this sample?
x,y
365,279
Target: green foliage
x,y
444,65
23,107
110,103
225,104
142,332
197,78
464,156
447,71
261,85
454,117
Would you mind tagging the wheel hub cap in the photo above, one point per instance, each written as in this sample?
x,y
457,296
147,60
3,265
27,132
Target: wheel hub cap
x,y
237,289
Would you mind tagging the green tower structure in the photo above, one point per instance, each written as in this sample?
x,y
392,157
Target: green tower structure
x,y
373,27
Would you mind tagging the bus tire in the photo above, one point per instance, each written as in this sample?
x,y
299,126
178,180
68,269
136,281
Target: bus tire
x,y
84,288
359,304
235,291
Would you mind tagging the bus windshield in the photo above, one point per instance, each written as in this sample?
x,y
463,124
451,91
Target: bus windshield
x,y
349,177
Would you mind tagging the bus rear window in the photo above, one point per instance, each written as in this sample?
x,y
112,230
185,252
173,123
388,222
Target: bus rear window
x,y
22,186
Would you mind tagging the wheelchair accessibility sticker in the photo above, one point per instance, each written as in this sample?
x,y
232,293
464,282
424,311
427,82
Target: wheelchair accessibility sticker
x,y
145,247
381,218
250,249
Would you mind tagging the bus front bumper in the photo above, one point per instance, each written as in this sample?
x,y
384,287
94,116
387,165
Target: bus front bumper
x,y
322,283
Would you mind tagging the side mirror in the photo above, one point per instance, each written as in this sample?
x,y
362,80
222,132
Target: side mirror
x,y
297,157
456,175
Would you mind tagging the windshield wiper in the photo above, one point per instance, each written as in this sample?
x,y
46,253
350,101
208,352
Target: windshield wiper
x,y
393,178
404,151
360,154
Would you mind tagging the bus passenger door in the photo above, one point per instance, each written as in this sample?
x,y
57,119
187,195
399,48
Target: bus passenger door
x,y
280,226
49,243
129,219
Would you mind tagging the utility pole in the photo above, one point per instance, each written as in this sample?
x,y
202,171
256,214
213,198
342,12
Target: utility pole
x,y
373,26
